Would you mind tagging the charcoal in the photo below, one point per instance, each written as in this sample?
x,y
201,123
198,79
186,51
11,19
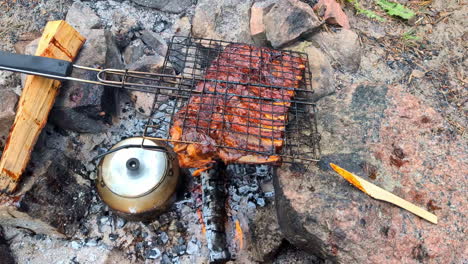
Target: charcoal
x,y
153,253
120,222
214,214
165,259
57,198
163,237
192,247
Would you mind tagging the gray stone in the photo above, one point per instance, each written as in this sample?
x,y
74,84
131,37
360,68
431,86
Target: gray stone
x,y
134,51
8,100
265,234
288,20
81,16
155,41
170,6
144,101
124,28
323,79
86,107
182,26
385,135
226,20
11,218
342,46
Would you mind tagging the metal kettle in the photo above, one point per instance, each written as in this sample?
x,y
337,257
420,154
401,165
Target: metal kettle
x,y
138,178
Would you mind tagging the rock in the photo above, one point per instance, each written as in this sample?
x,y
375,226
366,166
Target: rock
x,y
226,20
5,252
57,198
10,217
265,233
83,107
134,51
343,47
81,16
8,100
182,26
124,28
24,39
170,6
155,41
394,140
29,49
288,20
323,80
113,61
257,27
144,101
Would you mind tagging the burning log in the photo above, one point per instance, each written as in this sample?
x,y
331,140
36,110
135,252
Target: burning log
x,y
214,214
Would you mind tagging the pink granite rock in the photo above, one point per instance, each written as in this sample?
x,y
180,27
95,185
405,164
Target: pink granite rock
x,y
257,27
394,140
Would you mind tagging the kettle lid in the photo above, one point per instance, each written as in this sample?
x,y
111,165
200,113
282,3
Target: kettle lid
x,y
133,172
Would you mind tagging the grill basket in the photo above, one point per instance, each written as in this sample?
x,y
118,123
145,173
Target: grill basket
x,y
195,75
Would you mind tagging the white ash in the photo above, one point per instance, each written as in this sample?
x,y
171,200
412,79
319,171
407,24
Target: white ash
x,y
148,18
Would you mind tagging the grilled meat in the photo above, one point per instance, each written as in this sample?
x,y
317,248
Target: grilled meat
x,y
237,108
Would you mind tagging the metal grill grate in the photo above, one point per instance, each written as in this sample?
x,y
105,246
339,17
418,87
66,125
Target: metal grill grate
x,y
242,99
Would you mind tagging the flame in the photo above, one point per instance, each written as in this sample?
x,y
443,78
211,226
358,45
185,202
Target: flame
x,y
239,235
200,220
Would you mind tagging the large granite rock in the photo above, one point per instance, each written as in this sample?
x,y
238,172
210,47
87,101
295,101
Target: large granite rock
x,y
144,101
134,51
84,107
323,79
394,140
265,233
154,40
226,20
342,46
171,6
288,20
257,27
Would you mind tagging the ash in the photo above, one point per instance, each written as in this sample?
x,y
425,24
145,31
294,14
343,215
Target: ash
x,y
174,237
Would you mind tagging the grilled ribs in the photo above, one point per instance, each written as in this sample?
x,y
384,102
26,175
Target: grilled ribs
x,y
236,108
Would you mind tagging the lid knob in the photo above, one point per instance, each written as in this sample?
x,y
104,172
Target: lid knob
x,y
133,164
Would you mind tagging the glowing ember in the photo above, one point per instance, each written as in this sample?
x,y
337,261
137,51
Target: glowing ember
x,y
200,220
239,235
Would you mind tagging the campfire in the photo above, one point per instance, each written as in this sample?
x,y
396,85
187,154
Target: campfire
x,y
226,132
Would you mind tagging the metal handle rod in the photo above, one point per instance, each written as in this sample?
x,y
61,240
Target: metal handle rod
x,y
139,86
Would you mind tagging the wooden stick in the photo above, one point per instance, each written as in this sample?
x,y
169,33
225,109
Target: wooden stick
x,y
60,41
380,194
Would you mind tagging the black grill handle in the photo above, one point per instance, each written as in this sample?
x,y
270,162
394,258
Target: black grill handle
x,y
35,65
